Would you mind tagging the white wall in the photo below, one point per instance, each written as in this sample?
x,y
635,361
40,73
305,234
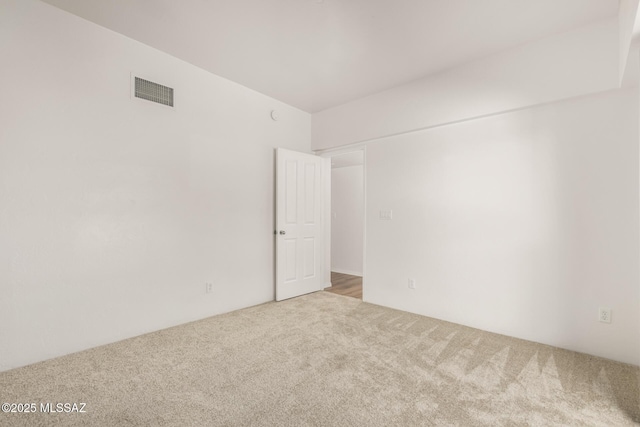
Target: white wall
x,y
521,224
578,62
347,226
115,212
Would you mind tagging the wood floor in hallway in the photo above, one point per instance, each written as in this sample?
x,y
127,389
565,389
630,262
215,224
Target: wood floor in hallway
x,y
346,284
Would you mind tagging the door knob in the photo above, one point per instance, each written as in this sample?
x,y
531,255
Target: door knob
x,y
282,232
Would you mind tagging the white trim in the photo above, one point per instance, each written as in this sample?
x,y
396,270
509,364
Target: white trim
x,y
326,218
364,221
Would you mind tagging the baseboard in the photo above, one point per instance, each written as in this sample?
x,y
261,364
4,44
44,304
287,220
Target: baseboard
x,y
349,272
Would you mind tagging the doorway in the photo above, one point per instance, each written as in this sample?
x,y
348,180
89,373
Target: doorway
x,y
347,223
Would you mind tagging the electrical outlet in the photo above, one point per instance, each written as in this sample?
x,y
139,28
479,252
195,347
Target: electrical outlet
x,y
208,288
604,315
412,283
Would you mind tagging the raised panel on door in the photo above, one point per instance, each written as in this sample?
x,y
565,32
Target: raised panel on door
x,y
291,192
290,260
309,254
310,193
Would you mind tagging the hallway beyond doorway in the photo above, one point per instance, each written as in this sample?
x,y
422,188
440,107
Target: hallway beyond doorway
x,y
346,284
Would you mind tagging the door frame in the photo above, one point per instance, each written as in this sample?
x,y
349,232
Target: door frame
x,y
328,153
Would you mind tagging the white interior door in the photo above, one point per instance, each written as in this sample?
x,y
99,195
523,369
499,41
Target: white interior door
x,y
299,224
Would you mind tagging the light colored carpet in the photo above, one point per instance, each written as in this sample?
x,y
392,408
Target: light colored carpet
x,y
326,360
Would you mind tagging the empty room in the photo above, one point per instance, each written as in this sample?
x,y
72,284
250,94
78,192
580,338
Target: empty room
x,y
188,187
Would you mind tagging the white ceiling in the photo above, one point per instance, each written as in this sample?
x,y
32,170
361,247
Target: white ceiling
x,y
316,54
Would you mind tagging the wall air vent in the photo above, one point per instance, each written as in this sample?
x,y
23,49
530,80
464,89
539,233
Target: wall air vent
x,y
154,92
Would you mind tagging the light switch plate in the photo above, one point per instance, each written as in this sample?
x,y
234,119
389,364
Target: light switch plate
x,y
386,215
